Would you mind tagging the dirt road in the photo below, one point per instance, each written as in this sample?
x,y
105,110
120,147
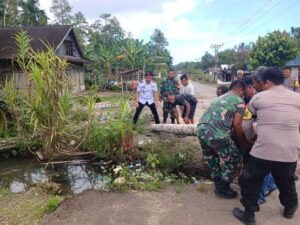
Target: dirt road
x,y
189,207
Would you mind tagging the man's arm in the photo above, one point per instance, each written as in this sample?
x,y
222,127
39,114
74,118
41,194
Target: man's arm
x,y
187,112
192,89
137,98
238,130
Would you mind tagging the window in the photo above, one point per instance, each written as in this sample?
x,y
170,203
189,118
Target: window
x,y
68,48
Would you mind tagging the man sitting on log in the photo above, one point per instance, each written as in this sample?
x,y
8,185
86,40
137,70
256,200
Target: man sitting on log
x,y
219,122
188,102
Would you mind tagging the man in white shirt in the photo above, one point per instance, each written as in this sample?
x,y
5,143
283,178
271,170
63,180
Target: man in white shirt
x,y
186,88
146,95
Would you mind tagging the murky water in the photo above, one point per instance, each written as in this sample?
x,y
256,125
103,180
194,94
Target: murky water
x,y
18,175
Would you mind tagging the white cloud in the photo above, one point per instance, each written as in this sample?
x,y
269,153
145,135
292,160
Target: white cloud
x,y
187,41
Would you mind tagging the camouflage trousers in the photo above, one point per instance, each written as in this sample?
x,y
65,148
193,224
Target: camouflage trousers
x,y
168,108
223,157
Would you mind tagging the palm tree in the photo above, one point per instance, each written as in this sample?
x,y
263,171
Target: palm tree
x,y
106,55
134,52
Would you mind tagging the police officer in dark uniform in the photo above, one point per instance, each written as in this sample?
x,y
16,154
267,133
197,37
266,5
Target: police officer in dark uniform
x,y
169,86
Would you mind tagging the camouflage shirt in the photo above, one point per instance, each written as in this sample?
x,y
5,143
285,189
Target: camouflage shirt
x,y
169,87
216,121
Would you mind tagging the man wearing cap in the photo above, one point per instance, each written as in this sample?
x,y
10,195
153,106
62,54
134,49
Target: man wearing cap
x,y
146,94
276,148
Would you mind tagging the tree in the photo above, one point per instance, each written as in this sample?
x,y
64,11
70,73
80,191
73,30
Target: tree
x,y
31,14
228,56
9,13
106,56
158,58
134,52
62,11
81,29
295,33
106,30
207,60
158,39
275,49
242,51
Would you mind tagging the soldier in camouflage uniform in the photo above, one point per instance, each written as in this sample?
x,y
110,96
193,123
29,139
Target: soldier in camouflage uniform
x,y
169,87
215,130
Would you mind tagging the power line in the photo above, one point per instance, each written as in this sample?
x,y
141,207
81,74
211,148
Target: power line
x,y
274,6
267,22
250,19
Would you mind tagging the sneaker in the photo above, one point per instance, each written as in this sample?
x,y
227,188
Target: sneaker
x,y
241,216
289,212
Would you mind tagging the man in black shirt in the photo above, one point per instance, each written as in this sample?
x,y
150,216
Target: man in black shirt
x,y
189,102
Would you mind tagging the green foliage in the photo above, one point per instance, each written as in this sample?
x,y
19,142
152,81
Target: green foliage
x,y
152,160
110,140
48,102
275,49
31,15
172,161
52,204
207,60
61,10
4,192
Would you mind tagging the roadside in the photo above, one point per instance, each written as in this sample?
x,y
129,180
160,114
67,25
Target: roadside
x,y
176,205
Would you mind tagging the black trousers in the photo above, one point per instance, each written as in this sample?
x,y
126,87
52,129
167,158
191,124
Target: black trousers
x,y
252,178
140,108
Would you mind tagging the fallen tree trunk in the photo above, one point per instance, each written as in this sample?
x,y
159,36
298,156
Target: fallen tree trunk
x,y
182,129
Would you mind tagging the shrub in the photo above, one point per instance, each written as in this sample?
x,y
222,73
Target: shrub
x,y
52,204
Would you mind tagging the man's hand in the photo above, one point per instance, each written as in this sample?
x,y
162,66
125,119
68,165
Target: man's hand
x,y
160,99
186,120
137,105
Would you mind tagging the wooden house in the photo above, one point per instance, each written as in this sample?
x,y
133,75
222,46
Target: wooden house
x,y
60,38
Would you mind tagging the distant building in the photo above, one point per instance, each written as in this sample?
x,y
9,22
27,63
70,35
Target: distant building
x,y
295,66
60,38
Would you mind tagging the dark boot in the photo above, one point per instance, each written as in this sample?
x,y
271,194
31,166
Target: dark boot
x,y
247,217
165,120
222,189
173,121
289,212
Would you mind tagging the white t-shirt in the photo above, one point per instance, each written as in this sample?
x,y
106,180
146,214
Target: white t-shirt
x,y
147,92
188,89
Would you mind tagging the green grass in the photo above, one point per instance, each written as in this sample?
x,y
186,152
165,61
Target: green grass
x,y
26,208
4,192
52,204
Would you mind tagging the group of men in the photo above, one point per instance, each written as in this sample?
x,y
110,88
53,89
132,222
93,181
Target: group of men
x,y
250,131
171,94
229,138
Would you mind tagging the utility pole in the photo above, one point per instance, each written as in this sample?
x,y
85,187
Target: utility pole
x,y
216,47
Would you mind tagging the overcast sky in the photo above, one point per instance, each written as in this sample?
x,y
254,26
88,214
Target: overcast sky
x,y
191,26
